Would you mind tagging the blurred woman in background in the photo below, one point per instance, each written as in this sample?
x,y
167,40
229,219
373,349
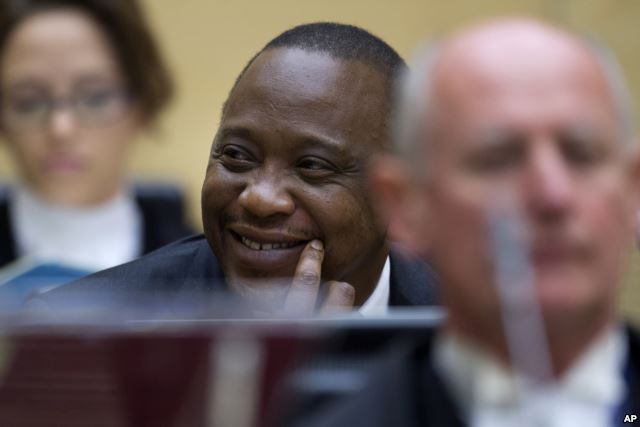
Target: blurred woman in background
x,y
79,80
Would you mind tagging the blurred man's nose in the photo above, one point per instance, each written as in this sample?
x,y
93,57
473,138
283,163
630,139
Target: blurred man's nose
x,y
549,187
266,196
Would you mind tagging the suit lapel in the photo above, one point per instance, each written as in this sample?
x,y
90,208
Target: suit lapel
x,y
412,282
436,406
632,376
7,241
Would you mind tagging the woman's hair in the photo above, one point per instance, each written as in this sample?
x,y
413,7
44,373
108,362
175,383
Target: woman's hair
x,y
125,26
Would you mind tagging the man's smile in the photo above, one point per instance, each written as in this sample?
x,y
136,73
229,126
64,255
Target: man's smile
x,y
265,249
266,246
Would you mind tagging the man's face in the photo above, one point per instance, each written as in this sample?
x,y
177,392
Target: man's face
x,y
535,134
288,166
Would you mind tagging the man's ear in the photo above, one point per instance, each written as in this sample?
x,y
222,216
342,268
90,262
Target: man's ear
x,y
634,173
400,203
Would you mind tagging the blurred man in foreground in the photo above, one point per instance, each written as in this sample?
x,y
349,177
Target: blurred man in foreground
x,y
517,176
285,204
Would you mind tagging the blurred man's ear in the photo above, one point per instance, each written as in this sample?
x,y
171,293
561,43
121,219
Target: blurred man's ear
x,y
400,203
635,186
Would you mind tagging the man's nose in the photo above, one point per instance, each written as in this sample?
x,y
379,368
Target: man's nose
x,y
267,197
550,189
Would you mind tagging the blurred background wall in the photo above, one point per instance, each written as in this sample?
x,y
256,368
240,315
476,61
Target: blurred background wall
x,y
208,42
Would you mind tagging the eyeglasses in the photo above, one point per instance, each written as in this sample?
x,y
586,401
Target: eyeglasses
x,y
94,108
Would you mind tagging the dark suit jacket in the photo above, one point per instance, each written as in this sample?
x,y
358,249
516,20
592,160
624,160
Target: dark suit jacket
x,y
189,265
406,391
161,209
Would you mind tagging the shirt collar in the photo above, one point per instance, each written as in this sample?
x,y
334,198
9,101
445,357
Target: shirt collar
x,y
92,238
378,302
478,380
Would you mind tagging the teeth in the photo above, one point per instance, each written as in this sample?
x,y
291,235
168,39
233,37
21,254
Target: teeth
x,y
266,246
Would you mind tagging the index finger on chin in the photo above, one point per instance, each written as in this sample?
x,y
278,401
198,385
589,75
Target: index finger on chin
x,y
305,285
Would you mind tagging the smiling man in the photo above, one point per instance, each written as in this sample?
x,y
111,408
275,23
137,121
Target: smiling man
x,y
288,164
285,204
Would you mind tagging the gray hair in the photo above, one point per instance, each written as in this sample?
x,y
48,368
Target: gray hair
x,y
414,99
413,102
617,84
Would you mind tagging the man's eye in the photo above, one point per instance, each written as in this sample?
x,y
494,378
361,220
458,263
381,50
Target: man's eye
x,y
495,152
583,153
494,161
315,167
235,158
235,153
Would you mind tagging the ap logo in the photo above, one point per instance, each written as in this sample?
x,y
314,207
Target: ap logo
x,y
630,418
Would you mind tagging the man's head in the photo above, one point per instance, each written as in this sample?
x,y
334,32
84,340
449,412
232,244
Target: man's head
x,y
520,120
289,160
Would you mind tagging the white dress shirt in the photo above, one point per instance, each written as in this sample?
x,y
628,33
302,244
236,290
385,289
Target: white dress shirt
x,y
91,238
490,395
378,302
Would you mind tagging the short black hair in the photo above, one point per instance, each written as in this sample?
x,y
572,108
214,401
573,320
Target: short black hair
x,y
340,41
126,27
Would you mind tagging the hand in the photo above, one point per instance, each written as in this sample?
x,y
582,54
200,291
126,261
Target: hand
x,y
305,287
